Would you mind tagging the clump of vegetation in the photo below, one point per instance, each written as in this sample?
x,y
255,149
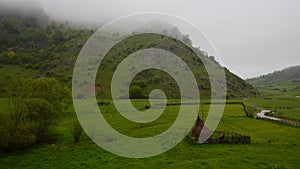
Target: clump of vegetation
x,y
4,130
251,110
76,131
135,92
35,107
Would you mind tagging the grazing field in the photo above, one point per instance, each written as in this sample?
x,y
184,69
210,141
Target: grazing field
x,y
286,106
278,92
272,145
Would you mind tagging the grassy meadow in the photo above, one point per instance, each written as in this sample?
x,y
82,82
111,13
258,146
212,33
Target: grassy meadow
x,y
273,145
285,104
278,92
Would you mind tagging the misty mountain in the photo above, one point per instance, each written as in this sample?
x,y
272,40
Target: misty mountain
x,y
291,74
51,51
24,12
284,80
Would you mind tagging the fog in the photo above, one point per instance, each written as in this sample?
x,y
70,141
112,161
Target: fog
x,y
252,37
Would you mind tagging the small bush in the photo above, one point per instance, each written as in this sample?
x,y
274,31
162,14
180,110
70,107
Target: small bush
x,y
251,111
15,136
35,107
22,136
76,131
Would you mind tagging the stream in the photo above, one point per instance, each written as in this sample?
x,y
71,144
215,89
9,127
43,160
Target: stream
x,y
261,115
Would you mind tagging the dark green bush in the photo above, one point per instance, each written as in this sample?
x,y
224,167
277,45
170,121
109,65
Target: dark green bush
x,y
15,135
21,136
135,92
35,108
76,131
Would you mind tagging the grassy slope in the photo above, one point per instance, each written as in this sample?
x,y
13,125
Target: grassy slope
x,y
236,86
285,104
280,84
291,74
272,143
53,49
286,107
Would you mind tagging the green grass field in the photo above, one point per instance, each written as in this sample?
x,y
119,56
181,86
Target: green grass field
x,y
272,144
286,105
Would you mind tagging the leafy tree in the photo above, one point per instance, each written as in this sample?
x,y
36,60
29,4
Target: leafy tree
x,y
58,37
135,92
40,37
42,115
11,25
6,39
36,104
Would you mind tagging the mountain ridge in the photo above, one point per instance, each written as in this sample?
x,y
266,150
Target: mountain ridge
x,y
291,73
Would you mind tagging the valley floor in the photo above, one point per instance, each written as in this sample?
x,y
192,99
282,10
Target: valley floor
x,y
272,145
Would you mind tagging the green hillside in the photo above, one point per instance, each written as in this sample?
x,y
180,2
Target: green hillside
x,y
291,74
51,51
286,80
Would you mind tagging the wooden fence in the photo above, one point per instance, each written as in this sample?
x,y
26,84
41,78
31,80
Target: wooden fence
x,y
222,137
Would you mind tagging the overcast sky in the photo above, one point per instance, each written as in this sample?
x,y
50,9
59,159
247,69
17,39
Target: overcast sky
x,y
252,37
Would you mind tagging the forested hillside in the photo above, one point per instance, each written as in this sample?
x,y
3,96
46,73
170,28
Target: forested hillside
x,y
291,74
31,49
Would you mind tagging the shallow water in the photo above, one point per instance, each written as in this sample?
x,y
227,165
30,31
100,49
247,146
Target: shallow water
x,y
262,115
